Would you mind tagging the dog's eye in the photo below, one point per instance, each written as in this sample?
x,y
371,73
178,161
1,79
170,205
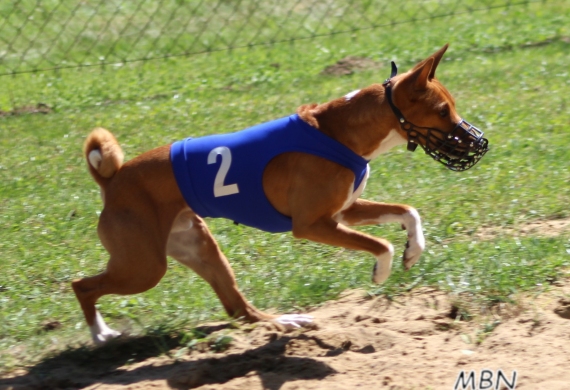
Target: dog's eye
x,y
444,112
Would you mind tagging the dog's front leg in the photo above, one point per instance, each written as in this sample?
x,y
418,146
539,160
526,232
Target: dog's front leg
x,y
364,212
328,231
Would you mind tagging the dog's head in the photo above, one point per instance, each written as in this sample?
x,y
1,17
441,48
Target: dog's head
x,y
426,112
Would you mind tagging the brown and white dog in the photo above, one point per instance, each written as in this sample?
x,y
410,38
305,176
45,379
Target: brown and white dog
x,y
145,217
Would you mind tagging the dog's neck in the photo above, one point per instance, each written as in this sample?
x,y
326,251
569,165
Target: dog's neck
x,y
362,121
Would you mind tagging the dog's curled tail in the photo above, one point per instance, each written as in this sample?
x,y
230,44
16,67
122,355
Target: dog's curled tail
x,y
104,155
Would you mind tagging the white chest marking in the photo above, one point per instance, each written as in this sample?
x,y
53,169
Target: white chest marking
x,y
353,195
392,139
350,95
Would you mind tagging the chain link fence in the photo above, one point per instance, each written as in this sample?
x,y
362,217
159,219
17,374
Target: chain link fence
x,y
41,35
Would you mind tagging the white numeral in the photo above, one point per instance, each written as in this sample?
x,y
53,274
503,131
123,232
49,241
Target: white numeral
x,y
219,188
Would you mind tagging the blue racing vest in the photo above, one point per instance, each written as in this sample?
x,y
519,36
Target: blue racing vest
x,y
222,175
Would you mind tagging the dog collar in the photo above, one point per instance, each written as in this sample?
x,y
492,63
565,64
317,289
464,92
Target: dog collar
x,y
412,145
458,150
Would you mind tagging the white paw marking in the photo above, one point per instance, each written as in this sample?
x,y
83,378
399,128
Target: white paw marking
x,y
416,240
100,332
414,251
383,265
294,321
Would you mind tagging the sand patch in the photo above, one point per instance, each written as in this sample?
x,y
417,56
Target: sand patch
x,y
411,342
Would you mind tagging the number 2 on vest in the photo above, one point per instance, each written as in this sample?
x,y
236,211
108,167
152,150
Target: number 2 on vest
x,y
220,189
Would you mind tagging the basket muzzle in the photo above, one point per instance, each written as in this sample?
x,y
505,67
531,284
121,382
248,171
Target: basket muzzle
x,y
459,149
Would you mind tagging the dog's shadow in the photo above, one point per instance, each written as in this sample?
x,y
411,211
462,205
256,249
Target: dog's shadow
x,y
116,364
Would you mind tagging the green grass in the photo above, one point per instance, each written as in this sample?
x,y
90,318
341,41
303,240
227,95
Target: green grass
x,y
508,70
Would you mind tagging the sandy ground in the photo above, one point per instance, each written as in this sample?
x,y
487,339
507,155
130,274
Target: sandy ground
x,y
413,342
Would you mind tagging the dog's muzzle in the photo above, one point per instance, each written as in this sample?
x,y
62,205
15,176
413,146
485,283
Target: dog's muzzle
x,y
458,150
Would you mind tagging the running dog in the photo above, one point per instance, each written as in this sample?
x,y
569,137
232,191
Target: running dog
x,y
303,173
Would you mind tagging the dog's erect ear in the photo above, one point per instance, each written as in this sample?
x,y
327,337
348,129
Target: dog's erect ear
x,y
437,56
419,76
425,70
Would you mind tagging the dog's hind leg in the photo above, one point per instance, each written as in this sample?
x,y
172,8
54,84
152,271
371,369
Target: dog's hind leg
x,y
364,212
191,243
137,263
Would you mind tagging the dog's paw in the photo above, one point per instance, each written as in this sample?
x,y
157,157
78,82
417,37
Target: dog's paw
x,y
103,337
294,321
383,266
410,257
100,332
414,249
416,240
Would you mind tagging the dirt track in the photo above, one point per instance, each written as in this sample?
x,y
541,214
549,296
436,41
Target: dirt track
x,y
411,343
